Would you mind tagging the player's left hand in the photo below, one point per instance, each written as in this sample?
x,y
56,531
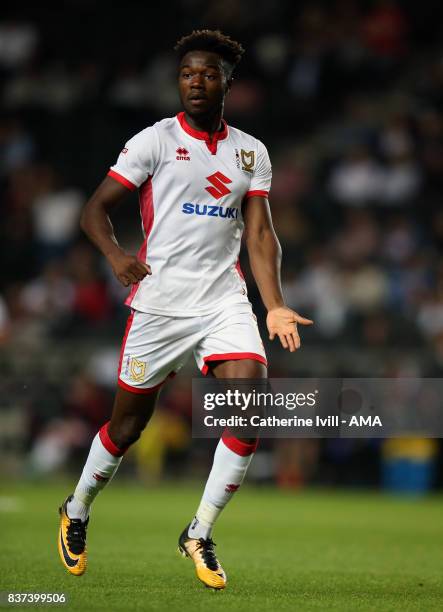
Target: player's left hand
x,y
282,322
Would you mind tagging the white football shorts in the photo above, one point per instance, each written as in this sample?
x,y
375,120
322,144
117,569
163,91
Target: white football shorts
x,y
155,347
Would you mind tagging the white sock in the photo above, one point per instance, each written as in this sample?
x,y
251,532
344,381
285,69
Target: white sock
x,y
231,461
101,465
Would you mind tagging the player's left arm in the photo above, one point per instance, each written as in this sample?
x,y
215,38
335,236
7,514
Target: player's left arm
x,y
265,259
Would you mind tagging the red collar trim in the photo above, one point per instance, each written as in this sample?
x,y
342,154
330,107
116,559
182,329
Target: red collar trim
x,y
211,144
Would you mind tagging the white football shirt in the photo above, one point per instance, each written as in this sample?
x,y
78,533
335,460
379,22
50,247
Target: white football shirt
x,y
191,191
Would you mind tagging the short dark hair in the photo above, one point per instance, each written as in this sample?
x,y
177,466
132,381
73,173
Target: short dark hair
x,y
214,41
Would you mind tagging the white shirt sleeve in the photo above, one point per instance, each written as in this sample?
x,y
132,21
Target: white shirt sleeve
x,y
262,174
137,159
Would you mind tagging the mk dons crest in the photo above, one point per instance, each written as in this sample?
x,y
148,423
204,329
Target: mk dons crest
x,y
137,369
247,160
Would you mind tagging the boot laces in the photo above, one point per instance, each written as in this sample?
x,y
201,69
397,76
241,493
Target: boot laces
x,y
76,535
206,548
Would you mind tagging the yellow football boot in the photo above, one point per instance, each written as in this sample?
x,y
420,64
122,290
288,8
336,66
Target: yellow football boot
x,y
72,541
207,567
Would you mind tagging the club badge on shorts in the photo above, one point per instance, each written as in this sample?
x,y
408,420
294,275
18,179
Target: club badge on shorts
x,y
137,369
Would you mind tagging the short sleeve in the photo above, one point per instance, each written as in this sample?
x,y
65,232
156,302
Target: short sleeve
x,y
262,174
137,159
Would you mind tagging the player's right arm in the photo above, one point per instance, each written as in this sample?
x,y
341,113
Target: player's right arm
x,y
97,225
135,163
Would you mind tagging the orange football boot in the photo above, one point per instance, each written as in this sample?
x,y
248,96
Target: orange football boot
x,y
207,566
72,541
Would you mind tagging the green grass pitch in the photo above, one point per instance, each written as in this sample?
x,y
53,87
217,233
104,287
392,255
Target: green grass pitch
x,y
281,551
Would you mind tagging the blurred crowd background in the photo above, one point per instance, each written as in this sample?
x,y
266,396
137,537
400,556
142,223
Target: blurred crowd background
x,y
347,96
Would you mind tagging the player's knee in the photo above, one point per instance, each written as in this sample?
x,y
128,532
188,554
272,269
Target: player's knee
x,y
127,438
126,434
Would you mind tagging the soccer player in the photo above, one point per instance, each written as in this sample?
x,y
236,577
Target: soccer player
x,y
201,184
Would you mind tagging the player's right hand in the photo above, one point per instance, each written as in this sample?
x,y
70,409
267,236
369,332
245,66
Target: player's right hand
x,y
128,269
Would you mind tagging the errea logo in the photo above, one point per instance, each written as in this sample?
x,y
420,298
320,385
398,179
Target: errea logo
x,y
182,154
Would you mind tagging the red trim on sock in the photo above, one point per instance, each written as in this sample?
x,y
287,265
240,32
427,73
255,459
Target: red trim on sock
x,y
109,444
238,446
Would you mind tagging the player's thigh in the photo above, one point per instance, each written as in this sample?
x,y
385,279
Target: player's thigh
x,y
233,348
244,368
247,369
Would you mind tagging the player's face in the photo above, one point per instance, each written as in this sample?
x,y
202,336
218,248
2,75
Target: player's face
x,y
202,82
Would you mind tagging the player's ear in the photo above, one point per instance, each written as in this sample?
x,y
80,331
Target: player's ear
x,y
228,84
